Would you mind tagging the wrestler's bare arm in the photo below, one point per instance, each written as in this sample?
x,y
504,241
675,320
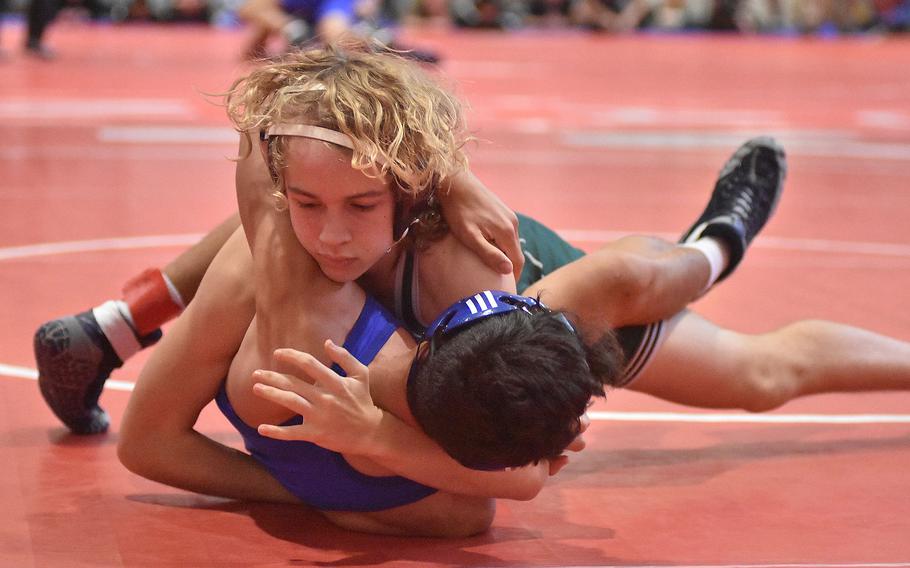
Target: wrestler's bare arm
x,y
158,439
339,414
288,282
632,281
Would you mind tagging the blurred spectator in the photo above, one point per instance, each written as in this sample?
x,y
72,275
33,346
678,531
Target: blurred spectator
x,y
502,14
622,16
163,10
295,21
802,16
40,14
893,15
2,14
435,11
607,15
379,20
298,22
549,13
808,16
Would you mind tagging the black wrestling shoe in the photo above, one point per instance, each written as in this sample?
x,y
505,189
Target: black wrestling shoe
x,y
744,198
74,360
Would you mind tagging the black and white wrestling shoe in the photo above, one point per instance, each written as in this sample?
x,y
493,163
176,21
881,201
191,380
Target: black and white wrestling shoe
x,y
744,198
75,358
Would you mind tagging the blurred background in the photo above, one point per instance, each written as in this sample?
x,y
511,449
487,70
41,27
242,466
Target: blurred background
x,y
598,117
297,21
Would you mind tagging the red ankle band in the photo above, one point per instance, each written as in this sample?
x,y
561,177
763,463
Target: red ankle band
x,y
149,301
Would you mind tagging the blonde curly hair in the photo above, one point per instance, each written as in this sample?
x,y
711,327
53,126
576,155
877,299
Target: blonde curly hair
x,y
400,121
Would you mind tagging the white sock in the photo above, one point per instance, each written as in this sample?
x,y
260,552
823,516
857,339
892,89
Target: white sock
x,y
116,322
713,249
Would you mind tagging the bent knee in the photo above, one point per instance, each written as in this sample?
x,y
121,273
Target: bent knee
x,y
463,517
772,374
471,520
131,457
765,394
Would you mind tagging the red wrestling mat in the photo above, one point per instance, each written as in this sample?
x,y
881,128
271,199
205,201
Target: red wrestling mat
x,y
113,160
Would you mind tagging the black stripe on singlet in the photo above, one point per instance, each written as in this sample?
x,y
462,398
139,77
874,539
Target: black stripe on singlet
x,y
652,333
407,294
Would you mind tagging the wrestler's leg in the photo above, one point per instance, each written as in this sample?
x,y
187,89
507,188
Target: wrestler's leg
x,y
76,354
701,364
638,280
269,18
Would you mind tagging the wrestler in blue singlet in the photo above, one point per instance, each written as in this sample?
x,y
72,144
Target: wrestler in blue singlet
x,y
321,478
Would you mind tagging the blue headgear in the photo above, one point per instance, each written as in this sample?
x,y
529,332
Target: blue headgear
x,y
468,311
487,303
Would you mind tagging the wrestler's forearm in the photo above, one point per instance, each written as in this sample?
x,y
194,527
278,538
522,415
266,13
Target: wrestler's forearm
x,y
340,415
194,462
410,453
157,438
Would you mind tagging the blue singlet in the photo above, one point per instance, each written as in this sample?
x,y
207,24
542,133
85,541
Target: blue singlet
x,y
321,478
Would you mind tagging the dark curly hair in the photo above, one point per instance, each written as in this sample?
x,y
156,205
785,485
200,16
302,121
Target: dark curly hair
x,y
509,389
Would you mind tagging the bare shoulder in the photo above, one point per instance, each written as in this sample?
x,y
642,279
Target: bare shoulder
x,y
188,365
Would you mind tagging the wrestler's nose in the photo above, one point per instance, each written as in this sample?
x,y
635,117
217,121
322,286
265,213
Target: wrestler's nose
x,y
335,230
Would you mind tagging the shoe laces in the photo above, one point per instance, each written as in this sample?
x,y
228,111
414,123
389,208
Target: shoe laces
x,y
743,203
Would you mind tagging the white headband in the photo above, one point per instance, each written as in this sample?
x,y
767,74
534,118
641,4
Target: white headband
x,y
309,131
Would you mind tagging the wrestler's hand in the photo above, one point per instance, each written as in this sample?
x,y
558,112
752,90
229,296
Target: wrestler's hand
x,y
483,223
338,412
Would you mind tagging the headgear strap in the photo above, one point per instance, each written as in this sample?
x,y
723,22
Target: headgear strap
x,y
310,131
